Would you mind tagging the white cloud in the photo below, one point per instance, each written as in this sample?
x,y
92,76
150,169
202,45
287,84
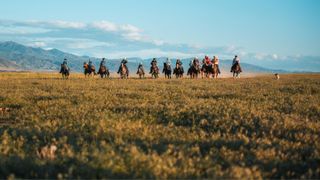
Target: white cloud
x,y
87,44
105,26
18,30
147,53
158,42
130,28
68,24
37,44
274,56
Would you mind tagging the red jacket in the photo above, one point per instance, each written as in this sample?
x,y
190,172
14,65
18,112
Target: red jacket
x,y
207,60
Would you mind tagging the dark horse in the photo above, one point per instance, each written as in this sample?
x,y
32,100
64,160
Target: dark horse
x,y
167,70
89,70
178,71
236,70
194,69
154,71
104,71
206,70
65,71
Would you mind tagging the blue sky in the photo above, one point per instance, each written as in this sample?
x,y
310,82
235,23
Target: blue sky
x,y
180,28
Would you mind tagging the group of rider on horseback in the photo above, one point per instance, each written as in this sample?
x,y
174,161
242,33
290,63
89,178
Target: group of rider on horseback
x,y
210,67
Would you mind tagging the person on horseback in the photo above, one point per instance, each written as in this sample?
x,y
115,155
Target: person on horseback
x,y
64,65
65,61
153,63
178,62
178,69
90,64
85,67
215,62
124,62
235,62
191,62
140,67
168,62
103,62
207,60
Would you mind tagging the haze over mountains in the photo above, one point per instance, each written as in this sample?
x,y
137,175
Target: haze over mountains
x,y
14,56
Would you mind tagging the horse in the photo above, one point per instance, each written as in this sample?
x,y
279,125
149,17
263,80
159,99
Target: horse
x,y
124,72
65,71
154,71
140,72
206,70
194,70
215,71
89,70
178,71
104,72
167,70
236,70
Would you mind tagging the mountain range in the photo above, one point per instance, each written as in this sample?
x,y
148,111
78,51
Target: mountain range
x,y
14,56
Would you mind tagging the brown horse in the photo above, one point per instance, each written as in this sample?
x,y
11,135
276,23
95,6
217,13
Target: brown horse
x,y
65,71
154,71
140,72
124,73
104,72
88,71
236,70
215,71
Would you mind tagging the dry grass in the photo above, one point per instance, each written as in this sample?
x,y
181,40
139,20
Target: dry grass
x,y
111,128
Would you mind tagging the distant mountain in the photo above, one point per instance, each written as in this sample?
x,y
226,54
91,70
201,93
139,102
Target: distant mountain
x,y
8,65
14,55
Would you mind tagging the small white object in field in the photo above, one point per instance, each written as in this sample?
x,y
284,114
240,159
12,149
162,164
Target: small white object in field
x,y
277,76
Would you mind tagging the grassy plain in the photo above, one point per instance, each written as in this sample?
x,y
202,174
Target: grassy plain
x,y
190,128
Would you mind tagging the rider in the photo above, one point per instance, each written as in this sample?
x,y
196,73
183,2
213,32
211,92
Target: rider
x,y
90,64
64,64
103,62
194,61
191,62
153,63
178,62
168,62
85,66
215,61
207,60
236,60
140,67
124,62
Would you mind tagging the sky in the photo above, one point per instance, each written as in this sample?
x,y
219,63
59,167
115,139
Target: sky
x,y
177,28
